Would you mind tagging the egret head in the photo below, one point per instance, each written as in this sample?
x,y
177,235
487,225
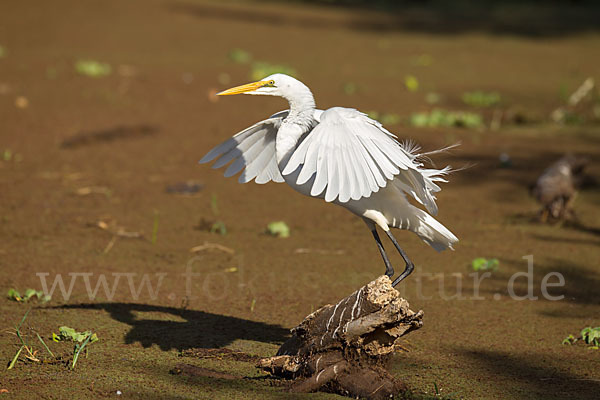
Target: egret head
x,y
273,85
291,89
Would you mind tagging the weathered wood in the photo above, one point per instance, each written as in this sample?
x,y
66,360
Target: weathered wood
x,y
344,347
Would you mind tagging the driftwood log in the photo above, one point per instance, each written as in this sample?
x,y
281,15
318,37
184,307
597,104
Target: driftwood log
x,y
344,348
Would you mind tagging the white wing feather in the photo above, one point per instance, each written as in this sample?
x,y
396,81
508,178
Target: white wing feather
x,y
352,156
253,150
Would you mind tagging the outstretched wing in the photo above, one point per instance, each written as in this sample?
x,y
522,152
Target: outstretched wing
x,y
350,156
252,150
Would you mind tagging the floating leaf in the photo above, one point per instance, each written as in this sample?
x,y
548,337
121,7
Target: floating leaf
x,y
438,117
7,155
278,228
411,83
92,68
483,264
481,99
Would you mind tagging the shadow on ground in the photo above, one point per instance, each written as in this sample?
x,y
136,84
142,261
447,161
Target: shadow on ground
x,y
581,281
199,330
534,373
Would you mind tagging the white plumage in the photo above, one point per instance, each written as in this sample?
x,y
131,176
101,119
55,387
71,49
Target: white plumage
x,y
340,155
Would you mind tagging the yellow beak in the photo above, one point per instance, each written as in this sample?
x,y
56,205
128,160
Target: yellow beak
x,y
243,88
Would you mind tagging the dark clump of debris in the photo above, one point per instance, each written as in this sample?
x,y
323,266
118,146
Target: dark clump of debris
x,y
556,189
185,188
108,135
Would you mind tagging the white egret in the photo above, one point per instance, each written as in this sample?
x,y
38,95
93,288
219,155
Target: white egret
x,y
339,155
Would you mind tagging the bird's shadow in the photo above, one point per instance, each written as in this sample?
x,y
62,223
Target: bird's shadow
x,y
198,329
533,374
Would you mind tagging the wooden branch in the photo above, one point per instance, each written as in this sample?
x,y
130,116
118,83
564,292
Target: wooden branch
x,y
344,347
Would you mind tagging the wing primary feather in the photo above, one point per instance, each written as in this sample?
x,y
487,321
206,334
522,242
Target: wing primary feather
x,y
252,149
385,166
321,175
240,149
258,164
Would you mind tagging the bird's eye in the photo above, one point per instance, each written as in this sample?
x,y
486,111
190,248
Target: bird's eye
x,y
272,83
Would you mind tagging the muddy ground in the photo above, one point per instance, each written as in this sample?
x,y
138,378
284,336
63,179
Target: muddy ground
x,y
78,150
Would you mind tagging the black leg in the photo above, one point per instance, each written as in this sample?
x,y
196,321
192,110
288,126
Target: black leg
x,y
389,270
409,265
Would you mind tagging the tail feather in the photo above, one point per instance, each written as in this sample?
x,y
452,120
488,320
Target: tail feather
x,y
430,230
400,214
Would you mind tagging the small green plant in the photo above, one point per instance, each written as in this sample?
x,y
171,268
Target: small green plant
x,y
30,353
23,343
92,68
218,226
29,294
483,264
569,340
479,98
279,229
589,335
81,339
438,117
70,334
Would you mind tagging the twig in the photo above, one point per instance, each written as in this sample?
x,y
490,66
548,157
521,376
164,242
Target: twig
x,y
110,244
207,246
319,251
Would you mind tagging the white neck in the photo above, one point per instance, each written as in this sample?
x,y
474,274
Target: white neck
x,y
299,121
